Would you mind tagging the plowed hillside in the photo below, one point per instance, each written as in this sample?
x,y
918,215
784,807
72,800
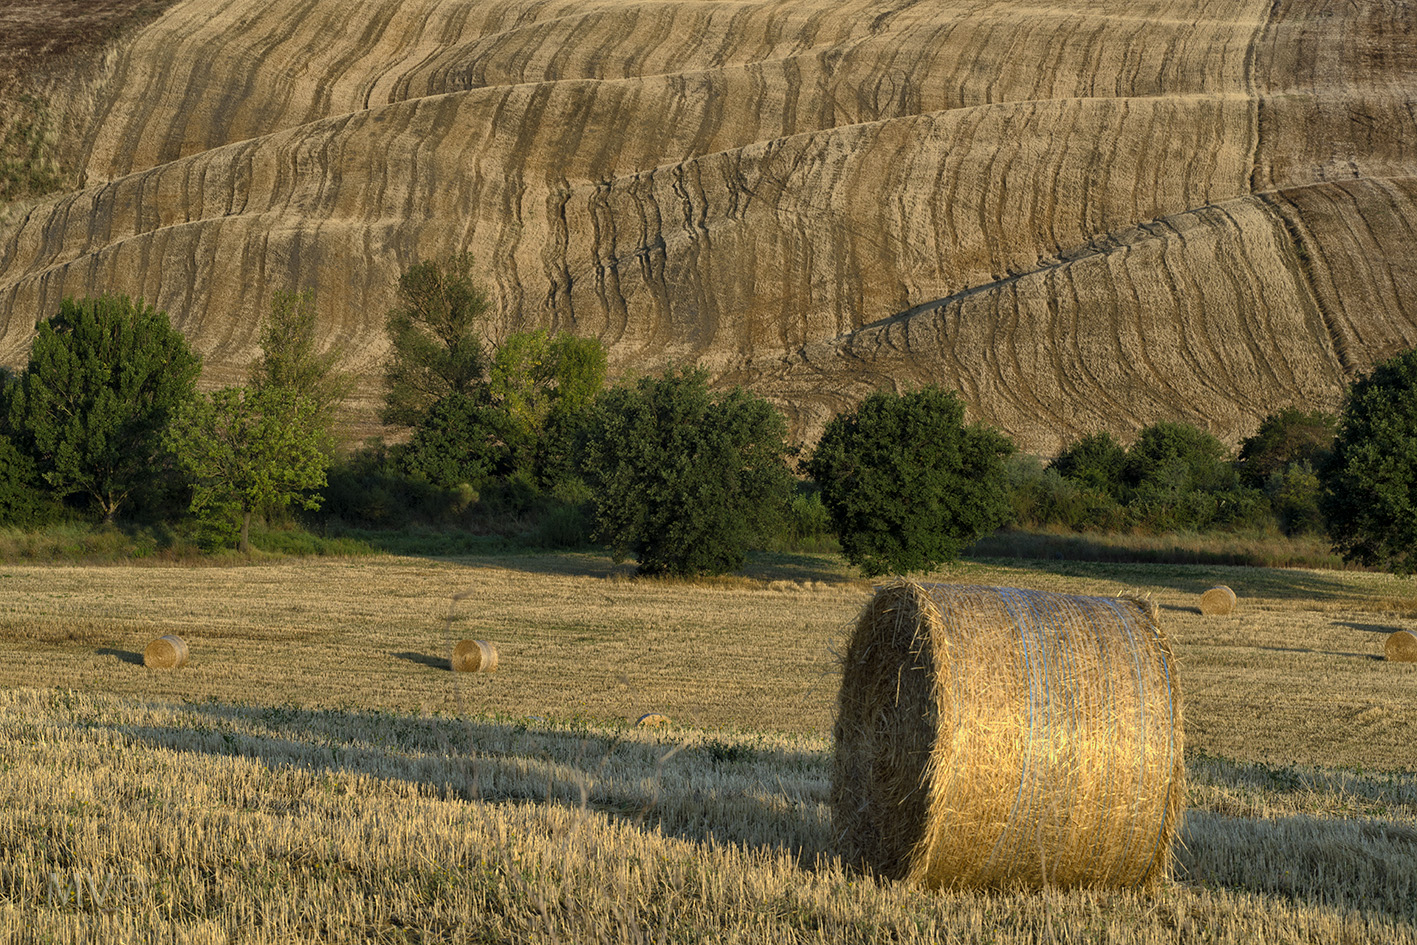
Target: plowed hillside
x,y
1083,214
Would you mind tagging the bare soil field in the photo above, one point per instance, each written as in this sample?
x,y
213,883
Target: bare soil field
x,y
1081,214
318,773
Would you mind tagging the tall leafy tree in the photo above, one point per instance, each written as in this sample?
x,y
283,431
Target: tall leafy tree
x,y
435,331
907,483
683,479
248,451
104,377
1369,483
291,358
543,383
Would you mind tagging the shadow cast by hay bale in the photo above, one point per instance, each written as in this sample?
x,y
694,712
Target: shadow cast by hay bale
x,y
423,659
127,656
1382,628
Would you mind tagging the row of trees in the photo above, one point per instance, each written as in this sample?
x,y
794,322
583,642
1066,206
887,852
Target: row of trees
x,y
663,468
1175,476
107,411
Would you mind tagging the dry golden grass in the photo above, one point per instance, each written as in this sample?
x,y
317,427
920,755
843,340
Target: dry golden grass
x,y
317,773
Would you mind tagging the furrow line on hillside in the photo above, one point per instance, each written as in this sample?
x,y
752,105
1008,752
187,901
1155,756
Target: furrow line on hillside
x,y
1093,369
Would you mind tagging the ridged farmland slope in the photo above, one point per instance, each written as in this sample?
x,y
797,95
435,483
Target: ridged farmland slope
x,y
1081,214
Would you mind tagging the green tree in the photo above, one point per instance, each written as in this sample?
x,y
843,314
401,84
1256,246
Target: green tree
x,y
435,331
1369,483
907,484
1093,462
104,377
291,359
536,376
682,479
1173,458
248,451
1284,438
463,439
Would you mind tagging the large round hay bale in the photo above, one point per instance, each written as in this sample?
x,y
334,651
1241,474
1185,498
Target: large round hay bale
x,y
1218,601
1401,647
166,652
1003,738
474,656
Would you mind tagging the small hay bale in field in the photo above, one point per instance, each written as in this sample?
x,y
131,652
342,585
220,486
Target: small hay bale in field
x,y
166,652
1401,647
1218,602
652,720
474,656
1004,738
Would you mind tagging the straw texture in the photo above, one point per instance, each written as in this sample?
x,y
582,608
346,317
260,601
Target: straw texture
x,y
1218,601
166,652
1005,738
474,656
1401,647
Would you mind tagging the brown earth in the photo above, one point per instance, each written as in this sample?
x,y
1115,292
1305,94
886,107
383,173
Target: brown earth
x,y
1082,215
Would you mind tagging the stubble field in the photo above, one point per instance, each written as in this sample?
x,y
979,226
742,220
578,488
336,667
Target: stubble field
x,y
317,773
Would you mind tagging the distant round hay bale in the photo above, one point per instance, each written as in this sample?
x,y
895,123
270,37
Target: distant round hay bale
x,y
166,652
1004,738
1401,647
1218,601
652,720
474,656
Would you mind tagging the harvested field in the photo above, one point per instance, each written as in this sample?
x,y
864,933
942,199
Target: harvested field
x,y
1095,215
388,797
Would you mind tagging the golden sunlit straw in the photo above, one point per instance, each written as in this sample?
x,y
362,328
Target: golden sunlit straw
x,y
1218,602
1401,647
1005,738
474,656
166,652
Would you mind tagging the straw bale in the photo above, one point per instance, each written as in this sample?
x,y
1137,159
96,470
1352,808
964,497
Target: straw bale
x,y
1218,601
1401,647
474,656
166,652
1005,738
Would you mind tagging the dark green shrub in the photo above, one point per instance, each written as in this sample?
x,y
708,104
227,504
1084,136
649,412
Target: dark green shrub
x,y
1170,459
369,490
1293,493
906,483
1042,497
1094,462
683,479
24,502
1369,483
462,439
1284,438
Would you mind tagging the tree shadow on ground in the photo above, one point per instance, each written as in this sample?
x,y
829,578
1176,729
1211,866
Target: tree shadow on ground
x,y
1246,581
127,656
709,789
762,567
686,784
